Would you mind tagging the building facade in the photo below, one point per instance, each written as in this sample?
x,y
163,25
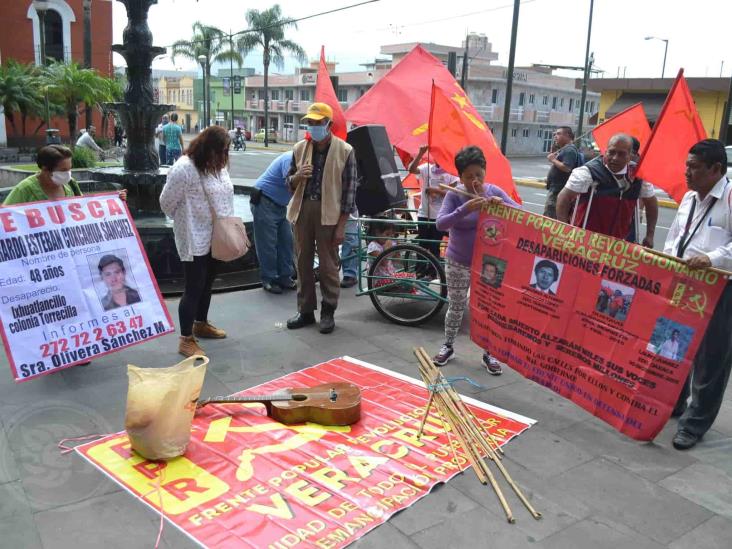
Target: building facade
x,y
176,88
710,96
20,39
540,102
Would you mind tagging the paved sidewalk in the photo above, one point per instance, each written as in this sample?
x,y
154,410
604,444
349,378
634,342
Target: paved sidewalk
x,y
596,488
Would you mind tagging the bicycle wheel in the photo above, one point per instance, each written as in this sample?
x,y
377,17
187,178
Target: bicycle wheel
x,y
418,290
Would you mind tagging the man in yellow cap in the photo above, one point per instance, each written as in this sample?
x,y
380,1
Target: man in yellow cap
x,y
323,179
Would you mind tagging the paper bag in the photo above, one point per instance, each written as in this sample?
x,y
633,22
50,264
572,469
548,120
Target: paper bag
x,y
160,407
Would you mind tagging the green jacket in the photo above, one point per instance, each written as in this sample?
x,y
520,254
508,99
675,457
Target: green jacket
x,y
30,190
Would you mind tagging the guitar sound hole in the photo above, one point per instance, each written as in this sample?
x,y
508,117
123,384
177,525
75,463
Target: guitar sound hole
x,y
299,398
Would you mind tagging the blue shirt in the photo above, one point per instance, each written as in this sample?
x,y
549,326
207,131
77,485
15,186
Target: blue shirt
x,y
272,182
171,136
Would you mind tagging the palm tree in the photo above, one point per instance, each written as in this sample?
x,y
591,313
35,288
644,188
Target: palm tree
x,y
69,85
211,43
267,31
20,92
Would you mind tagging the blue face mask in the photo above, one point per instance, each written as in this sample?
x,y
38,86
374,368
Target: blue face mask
x,y
319,133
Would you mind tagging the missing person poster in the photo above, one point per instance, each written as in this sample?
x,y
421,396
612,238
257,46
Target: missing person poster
x,y
75,284
603,322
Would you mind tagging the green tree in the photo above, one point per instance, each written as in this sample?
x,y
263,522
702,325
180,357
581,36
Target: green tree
x,y
211,43
21,93
69,85
267,31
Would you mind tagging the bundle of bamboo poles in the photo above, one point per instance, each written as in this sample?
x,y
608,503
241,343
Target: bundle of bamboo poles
x,y
475,440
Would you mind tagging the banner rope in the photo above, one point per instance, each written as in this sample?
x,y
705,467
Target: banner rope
x,y
64,449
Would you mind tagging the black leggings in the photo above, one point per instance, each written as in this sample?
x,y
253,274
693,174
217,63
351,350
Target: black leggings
x,y
199,275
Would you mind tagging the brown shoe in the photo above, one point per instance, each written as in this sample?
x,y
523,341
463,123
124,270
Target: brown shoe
x,y
188,346
206,330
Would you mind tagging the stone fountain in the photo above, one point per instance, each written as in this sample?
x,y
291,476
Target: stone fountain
x,y
142,175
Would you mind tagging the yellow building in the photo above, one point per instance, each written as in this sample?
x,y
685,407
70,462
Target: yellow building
x,y
617,94
177,89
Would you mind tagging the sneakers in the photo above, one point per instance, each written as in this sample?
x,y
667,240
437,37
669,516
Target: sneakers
x,y
446,353
272,287
491,364
206,330
188,346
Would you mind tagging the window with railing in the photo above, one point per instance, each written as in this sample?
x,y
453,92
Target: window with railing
x,y
514,132
545,100
342,94
532,99
274,94
305,95
522,99
525,132
289,95
494,96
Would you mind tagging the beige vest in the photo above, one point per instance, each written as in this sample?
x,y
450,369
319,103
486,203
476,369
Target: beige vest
x,y
331,185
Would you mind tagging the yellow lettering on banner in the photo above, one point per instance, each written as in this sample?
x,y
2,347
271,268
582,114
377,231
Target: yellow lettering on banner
x,y
365,464
307,493
184,485
279,509
332,478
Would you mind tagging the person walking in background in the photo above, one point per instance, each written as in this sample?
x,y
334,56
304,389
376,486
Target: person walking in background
x,y
350,262
272,231
431,176
563,161
198,183
160,140
459,215
173,137
87,140
323,178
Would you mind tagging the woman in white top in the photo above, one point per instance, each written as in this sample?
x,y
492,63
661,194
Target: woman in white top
x,y
198,183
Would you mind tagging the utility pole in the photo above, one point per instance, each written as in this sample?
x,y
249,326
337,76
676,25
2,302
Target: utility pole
x,y
464,72
88,52
587,72
509,76
231,77
41,8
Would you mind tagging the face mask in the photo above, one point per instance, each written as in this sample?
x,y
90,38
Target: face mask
x,y
319,133
61,178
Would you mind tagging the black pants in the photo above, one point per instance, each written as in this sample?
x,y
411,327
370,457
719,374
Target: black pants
x,y
428,231
710,371
199,276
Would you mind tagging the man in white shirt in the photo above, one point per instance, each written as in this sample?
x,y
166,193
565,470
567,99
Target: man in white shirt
x,y
159,141
605,193
430,176
701,234
546,273
87,140
670,347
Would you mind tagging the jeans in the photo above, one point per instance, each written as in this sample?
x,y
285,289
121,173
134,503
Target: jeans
x,y
162,154
198,276
173,155
272,241
349,249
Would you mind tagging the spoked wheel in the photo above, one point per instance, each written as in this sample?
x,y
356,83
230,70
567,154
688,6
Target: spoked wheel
x,y
417,290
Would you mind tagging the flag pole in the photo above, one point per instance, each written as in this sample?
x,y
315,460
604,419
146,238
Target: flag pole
x,y
429,147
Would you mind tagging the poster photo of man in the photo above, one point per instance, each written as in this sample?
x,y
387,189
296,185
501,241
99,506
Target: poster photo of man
x,y
545,276
670,339
115,286
492,271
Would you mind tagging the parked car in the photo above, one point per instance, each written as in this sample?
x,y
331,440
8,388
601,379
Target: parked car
x,y
271,136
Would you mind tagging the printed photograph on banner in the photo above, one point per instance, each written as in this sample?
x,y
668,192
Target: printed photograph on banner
x,y
670,339
545,275
493,270
115,285
614,300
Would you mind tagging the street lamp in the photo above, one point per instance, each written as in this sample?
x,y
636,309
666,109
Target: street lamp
x,y
665,51
202,61
41,6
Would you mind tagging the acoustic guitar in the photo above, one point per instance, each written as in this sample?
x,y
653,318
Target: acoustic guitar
x,y
326,404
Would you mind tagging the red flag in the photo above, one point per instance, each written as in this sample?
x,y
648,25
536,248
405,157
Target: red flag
x,y
400,100
632,121
453,124
411,183
678,128
324,93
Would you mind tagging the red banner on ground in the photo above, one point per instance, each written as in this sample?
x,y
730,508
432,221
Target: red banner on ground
x,y
248,481
603,322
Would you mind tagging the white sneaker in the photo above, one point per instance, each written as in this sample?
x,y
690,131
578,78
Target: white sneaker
x,y
491,364
446,353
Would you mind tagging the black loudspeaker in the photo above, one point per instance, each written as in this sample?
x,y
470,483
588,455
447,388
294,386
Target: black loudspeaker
x,y
381,187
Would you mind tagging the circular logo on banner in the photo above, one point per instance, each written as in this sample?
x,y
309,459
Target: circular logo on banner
x,y
44,477
492,231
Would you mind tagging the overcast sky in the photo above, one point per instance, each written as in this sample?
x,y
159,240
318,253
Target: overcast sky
x,y
550,31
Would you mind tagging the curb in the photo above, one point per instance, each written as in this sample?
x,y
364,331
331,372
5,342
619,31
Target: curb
x,y
540,184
